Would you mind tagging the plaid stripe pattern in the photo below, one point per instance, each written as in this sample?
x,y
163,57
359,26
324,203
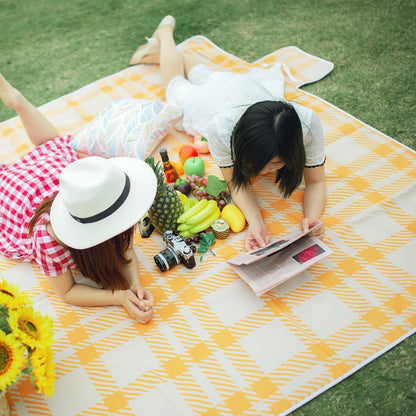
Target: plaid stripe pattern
x,y
23,186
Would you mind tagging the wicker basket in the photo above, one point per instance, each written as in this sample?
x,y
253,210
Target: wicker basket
x,y
4,406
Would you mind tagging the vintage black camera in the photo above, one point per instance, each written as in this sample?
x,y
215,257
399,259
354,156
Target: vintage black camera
x,y
176,252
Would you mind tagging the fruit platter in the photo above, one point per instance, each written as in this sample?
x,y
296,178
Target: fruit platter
x,y
196,204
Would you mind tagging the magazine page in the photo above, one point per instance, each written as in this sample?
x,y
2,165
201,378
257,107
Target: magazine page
x,y
274,246
282,265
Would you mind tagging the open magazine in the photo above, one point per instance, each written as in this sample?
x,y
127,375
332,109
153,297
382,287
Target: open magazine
x,y
265,268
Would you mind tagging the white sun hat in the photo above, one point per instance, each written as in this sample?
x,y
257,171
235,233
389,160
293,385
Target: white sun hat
x,y
100,198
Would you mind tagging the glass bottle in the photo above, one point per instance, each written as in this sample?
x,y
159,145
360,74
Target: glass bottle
x,y
171,174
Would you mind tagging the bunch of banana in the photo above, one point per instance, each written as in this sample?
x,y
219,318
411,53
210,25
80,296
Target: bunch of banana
x,y
198,218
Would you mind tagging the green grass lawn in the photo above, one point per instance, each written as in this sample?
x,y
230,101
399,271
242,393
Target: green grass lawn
x,y
49,48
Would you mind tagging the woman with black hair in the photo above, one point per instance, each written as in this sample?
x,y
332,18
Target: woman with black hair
x,y
251,130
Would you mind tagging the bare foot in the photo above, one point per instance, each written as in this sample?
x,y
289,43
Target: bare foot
x,y
9,95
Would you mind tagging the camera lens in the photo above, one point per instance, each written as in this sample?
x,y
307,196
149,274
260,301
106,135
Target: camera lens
x,y
190,262
166,259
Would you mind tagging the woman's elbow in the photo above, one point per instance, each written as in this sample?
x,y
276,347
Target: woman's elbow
x,y
66,297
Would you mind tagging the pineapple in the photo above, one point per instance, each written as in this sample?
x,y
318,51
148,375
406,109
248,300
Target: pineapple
x,y
167,206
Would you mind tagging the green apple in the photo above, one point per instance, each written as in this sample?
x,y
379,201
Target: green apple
x,y
194,166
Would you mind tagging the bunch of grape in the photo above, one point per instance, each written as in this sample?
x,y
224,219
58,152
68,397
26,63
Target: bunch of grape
x,y
198,186
223,199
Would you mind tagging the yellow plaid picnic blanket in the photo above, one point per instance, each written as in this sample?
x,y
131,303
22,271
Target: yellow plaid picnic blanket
x,y
214,348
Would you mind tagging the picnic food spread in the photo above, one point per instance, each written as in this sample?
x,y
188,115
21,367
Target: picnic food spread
x,y
192,204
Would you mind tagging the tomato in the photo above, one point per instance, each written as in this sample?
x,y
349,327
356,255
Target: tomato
x,y
185,152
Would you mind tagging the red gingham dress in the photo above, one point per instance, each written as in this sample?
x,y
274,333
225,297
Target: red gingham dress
x,y
23,186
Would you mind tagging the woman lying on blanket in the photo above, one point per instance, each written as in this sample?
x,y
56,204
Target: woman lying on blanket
x,y
63,211
250,129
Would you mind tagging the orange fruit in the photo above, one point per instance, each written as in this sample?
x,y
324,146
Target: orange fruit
x,y
179,167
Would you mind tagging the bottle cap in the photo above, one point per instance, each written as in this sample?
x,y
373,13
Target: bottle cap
x,y
164,154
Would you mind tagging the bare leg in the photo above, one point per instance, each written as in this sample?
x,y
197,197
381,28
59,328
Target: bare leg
x,y
161,49
38,127
189,59
149,53
192,59
170,60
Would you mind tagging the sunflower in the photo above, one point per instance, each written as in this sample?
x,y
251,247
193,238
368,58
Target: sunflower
x,y
43,370
12,359
30,327
11,297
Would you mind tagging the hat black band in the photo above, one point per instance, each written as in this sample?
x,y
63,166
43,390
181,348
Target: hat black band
x,y
111,209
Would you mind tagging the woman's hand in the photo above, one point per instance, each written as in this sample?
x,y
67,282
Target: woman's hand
x,y
257,236
145,297
137,301
138,304
319,231
314,200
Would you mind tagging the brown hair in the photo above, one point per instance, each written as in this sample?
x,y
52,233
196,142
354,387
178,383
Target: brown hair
x,y
102,263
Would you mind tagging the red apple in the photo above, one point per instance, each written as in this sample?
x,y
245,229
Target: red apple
x,y
194,166
185,152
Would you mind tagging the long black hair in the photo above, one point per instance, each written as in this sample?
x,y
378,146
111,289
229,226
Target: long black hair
x,y
268,129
